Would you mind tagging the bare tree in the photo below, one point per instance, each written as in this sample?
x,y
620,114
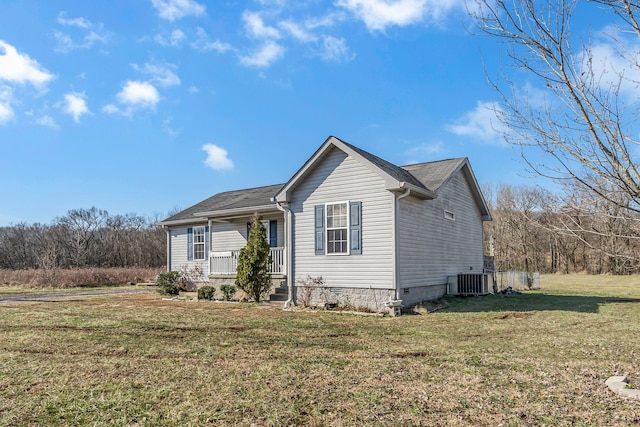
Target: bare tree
x,y
581,113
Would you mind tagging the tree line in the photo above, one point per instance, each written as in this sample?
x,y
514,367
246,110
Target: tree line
x,y
84,238
534,229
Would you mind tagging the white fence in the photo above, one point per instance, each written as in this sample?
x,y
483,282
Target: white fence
x,y
517,280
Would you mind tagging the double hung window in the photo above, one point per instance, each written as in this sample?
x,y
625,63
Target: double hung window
x,y
198,243
337,228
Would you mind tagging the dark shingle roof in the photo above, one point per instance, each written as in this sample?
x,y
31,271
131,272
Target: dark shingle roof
x,y
238,199
394,171
433,174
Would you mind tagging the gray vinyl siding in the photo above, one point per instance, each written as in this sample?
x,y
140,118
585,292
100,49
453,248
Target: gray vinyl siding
x,y
228,236
339,178
432,247
178,242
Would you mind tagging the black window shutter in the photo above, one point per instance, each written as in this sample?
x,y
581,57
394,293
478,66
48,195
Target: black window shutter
x,y
248,230
190,244
206,242
355,228
319,229
273,233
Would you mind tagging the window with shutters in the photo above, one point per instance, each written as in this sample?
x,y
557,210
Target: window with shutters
x,y
198,243
337,228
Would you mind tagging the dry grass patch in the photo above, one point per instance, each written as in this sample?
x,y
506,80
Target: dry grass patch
x,y
540,358
69,278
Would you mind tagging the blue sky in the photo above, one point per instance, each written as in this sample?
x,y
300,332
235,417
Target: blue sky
x,y
144,106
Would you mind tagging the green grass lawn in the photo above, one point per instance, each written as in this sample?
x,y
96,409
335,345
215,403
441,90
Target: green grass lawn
x,y
540,358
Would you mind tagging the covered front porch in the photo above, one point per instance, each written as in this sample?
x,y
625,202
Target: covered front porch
x,y
225,263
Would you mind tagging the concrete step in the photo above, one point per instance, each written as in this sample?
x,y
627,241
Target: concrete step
x,y
278,297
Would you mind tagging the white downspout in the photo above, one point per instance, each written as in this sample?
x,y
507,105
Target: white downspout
x,y
287,252
168,249
396,273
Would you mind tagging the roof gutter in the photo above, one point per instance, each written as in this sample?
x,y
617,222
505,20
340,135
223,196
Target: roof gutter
x,y
421,193
236,211
396,274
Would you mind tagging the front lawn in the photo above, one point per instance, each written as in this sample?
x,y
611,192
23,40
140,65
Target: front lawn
x,y
540,358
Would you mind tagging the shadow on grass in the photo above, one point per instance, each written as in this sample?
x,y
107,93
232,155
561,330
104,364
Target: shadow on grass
x,y
532,302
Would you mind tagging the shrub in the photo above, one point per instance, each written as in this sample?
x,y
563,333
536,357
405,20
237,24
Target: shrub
x,y
253,262
306,288
169,283
206,293
228,291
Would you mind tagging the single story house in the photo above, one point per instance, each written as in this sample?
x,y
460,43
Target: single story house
x,y
375,232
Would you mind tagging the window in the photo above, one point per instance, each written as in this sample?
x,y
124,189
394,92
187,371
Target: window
x,y
449,215
198,243
337,228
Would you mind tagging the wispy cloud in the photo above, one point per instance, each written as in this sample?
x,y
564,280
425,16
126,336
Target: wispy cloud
x,y
335,50
6,112
75,104
203,43
162,74
135,95
481,123
47,121
20,68
256,28
175,39
297,31
264,56
87,32
217,157
177,9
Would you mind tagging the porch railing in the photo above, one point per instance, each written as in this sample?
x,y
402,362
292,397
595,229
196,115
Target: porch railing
x,y
226,262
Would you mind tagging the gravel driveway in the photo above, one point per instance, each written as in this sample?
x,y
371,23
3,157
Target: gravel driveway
x,y
61,296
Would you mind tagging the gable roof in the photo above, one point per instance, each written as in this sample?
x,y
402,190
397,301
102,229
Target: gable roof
x,y
394,176
422,180
245,202
435,174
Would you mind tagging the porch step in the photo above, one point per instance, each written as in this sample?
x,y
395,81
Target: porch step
x,y
281,293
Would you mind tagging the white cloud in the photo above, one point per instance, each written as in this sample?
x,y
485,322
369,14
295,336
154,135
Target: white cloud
x,y
75,104
138,94
111,109
175,39
265,56
20,68
297,31
217,157
380,14
336,50
92,34
160,74
611,68
47,121
256,28
193,90
481,123
6,112
203,43
73,22
135,95
176,9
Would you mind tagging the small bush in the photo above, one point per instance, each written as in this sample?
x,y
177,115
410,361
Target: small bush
x,y
228,291
169,283
206,293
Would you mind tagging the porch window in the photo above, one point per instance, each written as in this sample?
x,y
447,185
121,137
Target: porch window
x,y
198,243
337,228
